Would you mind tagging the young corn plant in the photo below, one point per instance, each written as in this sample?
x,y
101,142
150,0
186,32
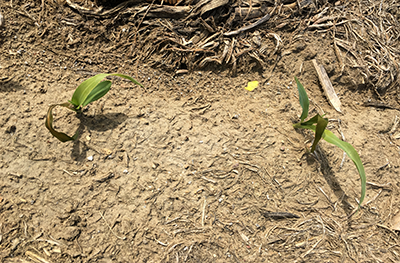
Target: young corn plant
x,y
318,125
88,91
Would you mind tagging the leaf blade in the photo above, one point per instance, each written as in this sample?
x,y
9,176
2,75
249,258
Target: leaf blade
x,y
49,123
319,131
85,88
127,77
331,138
354,156
303,98
99,91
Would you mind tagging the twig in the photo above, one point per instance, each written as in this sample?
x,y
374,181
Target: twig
x,y
383,166
250,9
373,199
161,243
319,241
190,249
204,212
123,238
172,220
104,178
208,180
343,160
251,26
1,20
385,186
326,196
278,215
395,124
270,231
343,139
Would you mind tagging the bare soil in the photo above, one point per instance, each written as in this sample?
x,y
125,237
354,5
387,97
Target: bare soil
x,y
190,168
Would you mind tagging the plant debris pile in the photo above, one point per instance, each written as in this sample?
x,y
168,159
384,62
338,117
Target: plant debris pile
x,y
253,34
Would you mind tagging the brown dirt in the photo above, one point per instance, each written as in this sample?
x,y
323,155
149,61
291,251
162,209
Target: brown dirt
x,y
184,170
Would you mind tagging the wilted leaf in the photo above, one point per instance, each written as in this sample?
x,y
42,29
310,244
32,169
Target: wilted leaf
x,y
88,91
49,123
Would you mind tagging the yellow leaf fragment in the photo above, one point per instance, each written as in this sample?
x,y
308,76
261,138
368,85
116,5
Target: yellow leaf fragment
x,y
252,85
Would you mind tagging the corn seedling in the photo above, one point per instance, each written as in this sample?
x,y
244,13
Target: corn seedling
x,y
321,132
88,91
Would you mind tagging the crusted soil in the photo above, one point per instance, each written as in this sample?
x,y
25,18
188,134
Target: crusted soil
x,y
192,167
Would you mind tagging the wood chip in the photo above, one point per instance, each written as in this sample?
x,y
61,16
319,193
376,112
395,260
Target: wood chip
x,y
327,86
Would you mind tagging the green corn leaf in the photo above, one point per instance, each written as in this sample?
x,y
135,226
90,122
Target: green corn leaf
x,y
304,102
353,154
85,88
311,121
82,92
88,91
49,123
99,91
127,77
348,149
319,131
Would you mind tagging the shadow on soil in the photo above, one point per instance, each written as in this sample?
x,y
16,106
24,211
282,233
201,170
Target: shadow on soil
x,y
332,181
102,122
9,85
